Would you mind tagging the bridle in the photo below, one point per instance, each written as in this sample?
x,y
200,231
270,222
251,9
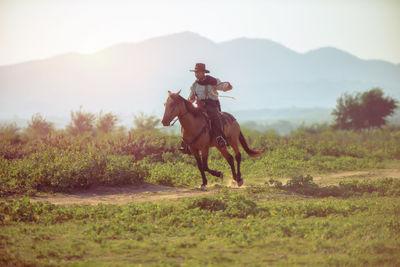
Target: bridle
x,y
174,104
173,122
203,130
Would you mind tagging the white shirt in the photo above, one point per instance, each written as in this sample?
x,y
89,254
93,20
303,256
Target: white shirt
x,y
203,92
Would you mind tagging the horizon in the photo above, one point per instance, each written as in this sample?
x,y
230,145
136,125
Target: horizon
x,y
35,31
293,114
188,32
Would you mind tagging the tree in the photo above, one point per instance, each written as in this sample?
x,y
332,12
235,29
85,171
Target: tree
x,y
363,110
9,132
81,122
145,123
38,126
106,122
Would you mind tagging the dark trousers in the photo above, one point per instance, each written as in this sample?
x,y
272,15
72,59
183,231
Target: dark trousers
x,y
213,111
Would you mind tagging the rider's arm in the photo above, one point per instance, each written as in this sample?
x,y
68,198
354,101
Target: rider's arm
x,y
192,95
223,86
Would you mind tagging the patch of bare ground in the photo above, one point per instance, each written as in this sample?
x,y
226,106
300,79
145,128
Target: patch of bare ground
x,y
150,192
341,175
334,178
121,194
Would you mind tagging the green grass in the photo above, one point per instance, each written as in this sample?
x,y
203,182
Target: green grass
x,y
297,221
255,226
61,162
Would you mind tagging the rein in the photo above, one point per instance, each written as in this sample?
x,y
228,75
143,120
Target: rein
x,y
197,136
174,121
172,124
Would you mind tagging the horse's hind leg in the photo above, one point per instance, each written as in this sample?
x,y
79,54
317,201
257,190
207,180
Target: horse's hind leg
x,y
238,158
204,155
228,158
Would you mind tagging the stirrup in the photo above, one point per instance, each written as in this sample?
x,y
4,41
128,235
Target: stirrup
x,y
184,149
221,141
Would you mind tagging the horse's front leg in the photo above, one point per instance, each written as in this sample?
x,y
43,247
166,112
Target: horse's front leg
x,y
200,165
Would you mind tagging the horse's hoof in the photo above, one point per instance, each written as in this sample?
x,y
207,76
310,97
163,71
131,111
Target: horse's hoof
x,y
203,187
221,175
240,182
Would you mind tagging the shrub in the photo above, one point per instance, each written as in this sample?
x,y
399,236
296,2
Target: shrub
x,y
38,127
106,123
55,170
232,205
304,185
172,173
81,122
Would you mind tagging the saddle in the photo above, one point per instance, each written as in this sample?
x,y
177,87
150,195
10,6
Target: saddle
x,y
208,119
226,118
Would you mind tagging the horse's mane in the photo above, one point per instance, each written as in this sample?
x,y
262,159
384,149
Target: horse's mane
x,y
190,108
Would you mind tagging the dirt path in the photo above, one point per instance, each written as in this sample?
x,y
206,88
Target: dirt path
x,y
121,194
150,192
372,174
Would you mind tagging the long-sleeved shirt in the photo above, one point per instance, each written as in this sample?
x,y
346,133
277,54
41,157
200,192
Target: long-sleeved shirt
x,y
207,88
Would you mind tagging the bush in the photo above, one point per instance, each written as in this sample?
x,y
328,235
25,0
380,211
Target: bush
x,y
69,159
304,185
58,170
38,127
232,205
81,122
106,123
172,173
122,170
10,133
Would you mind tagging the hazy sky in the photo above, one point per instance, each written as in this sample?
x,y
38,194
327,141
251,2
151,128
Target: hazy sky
x,y
31,29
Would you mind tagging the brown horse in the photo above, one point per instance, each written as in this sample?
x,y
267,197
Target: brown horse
x,y
196,133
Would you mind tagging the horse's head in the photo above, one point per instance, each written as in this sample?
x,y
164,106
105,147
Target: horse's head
x,y
172,107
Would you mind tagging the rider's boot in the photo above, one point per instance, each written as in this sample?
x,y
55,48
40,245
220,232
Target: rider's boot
x,y
184,148
219,133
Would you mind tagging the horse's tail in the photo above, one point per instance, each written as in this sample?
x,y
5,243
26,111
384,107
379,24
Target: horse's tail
x,y
250,152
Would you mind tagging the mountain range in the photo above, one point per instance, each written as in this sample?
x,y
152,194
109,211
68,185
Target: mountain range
x,y
132,77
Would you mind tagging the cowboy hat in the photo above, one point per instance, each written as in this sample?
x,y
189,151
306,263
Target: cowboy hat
x,y
200,67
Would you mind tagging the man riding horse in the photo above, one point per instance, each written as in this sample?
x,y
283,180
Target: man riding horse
x,y
197,136
204,92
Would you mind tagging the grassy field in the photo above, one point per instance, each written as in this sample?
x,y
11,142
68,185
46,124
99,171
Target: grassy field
x,y
353,223
283,216
225,229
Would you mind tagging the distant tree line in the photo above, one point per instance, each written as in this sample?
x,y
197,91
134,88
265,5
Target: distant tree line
x,y
366,110
81,123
